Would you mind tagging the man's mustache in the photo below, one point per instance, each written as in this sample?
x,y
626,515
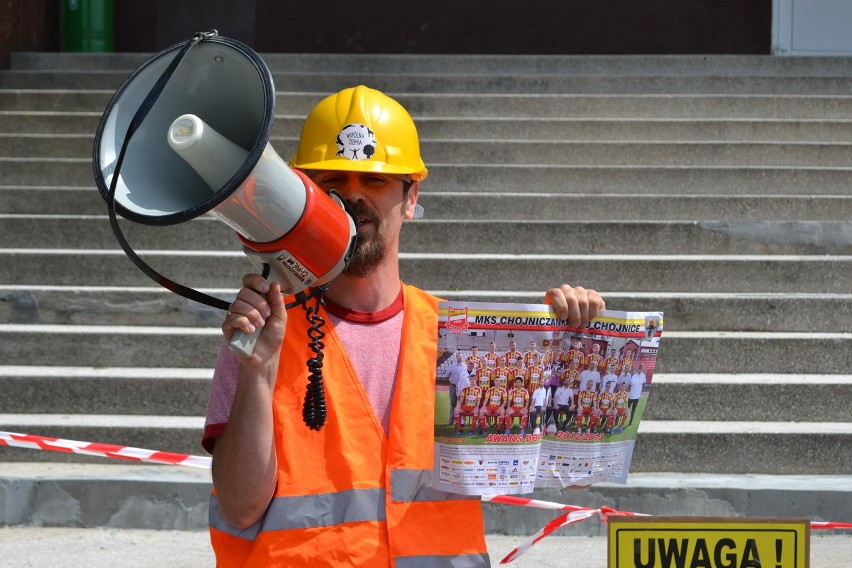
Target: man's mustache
x,y
360,209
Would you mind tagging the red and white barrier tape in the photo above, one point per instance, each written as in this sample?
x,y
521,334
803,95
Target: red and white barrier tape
x,y
574,513
102,450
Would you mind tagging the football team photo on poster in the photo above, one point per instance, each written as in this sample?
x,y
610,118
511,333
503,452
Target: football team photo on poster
x,y
522,400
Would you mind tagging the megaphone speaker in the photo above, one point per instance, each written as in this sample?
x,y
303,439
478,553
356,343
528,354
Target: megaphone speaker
x,y
203,148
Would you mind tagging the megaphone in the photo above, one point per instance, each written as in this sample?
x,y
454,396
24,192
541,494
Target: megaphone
x,y
202,147
187,134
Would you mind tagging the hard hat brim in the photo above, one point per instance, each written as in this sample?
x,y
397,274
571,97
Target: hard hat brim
x,y
366,166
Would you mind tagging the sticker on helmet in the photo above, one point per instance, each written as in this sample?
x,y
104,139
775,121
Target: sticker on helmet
x,y
356,142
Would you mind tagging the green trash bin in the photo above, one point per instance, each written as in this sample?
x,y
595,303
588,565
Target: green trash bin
x,y
86,25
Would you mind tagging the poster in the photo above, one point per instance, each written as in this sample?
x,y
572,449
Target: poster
x,y
524,401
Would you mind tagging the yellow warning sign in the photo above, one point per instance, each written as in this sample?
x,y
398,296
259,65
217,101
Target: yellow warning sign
x,y
701,542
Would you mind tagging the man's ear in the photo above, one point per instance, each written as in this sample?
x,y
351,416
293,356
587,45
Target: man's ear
x,y
411,201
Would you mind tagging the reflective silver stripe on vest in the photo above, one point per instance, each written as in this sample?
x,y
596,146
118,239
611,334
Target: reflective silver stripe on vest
x,y
457,561
308,511
412,485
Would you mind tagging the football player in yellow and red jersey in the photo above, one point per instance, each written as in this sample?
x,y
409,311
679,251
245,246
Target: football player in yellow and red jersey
x,y
615,421
492,358
612,360
512,354
594,357
493,405
468,406
532,377
482,377
501,377
516,367
625,364
574,353
588,415
552,357
572,372
532,356
474,357
605,402
517,406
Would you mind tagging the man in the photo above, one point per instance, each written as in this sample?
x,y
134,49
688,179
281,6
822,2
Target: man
x,y
609,380
517,406
591,374
516,366
493,405
539,401
482,377
501,375
552,356
533,377
637,383
616,420
469,399
356,492
492,358
458,375
575,353
588,415
510,356
606,401
474,356
563,403
625,365
611,361
594,357
532,356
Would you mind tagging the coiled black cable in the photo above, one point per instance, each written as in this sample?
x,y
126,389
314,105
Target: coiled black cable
x,y
314,409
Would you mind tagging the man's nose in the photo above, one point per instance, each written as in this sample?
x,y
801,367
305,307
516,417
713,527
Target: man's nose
x,y
350,187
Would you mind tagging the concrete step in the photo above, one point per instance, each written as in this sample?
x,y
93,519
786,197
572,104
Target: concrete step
x,y
780,448
183,392
93,305
531,152
757,397
471,236
743,447
596,129
196,347
114,390
491,83
533,106
489,204
618,273
146,496
686,181
622,65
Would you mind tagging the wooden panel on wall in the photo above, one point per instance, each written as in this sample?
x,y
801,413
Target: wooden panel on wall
x,y
509,26
433,26
28,25
154,25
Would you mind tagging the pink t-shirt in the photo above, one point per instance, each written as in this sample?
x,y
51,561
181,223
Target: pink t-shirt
x,y
371,340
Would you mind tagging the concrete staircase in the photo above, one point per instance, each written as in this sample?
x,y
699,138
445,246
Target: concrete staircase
x,y
716,189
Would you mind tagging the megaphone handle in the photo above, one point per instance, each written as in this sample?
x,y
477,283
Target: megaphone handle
x,y
243,343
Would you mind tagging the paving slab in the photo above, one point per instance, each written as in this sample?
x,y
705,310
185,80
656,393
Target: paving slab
x,y
44,547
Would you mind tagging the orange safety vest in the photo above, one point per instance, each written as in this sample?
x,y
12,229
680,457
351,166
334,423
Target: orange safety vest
x,y
348,495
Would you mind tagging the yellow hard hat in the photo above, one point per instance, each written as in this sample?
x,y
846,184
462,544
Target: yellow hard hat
x,y
360,130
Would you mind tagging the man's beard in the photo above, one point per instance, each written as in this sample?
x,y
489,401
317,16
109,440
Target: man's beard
x,y
369,250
